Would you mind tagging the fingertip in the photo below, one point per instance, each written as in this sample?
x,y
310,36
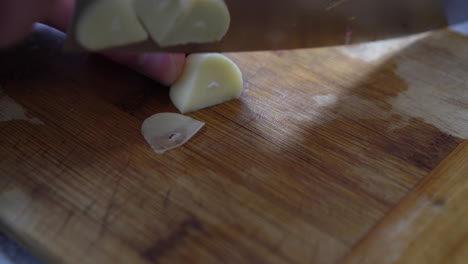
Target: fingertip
x,y
164,68
157,66
17,17
16,21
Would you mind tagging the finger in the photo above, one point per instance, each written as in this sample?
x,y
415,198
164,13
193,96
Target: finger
x,y
162,67
18,16
60,14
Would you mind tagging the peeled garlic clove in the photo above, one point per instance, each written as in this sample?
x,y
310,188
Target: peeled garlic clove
x,y
166,131
207,79
159,16
109,23
177,22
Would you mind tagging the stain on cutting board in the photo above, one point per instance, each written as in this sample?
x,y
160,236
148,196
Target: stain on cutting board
x,y
431,95
11,110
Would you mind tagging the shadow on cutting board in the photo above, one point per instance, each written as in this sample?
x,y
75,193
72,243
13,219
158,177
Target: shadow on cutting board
x,y
333,137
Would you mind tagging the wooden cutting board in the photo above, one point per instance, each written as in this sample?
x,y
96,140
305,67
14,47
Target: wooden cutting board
x,y
305,168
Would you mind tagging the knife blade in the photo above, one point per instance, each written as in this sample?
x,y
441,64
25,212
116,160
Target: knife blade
x,y
294,24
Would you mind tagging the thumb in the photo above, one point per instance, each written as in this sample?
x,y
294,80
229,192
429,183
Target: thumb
x,y
18,16
162,67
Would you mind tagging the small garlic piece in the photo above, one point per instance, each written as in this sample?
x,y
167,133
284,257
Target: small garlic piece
x,y
207,79
176,22
109,23
166,131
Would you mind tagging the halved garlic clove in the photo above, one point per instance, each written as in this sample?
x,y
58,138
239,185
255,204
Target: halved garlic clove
x,y
109,23
177,22
166,131
207,79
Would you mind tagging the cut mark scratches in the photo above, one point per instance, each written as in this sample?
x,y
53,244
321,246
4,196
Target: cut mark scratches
x,y
165,245
166,198
111,206
69,216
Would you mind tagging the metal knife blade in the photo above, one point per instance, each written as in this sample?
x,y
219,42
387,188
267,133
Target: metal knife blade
x,y
293,24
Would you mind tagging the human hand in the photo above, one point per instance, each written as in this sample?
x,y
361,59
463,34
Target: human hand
x,y
17,18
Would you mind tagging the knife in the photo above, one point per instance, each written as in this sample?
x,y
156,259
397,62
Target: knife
x,y
294,24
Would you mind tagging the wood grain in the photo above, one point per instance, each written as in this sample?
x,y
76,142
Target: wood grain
x,y
297,171
428,226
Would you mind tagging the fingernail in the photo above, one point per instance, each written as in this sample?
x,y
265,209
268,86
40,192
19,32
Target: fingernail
x,y
176,64
153,65
158,66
